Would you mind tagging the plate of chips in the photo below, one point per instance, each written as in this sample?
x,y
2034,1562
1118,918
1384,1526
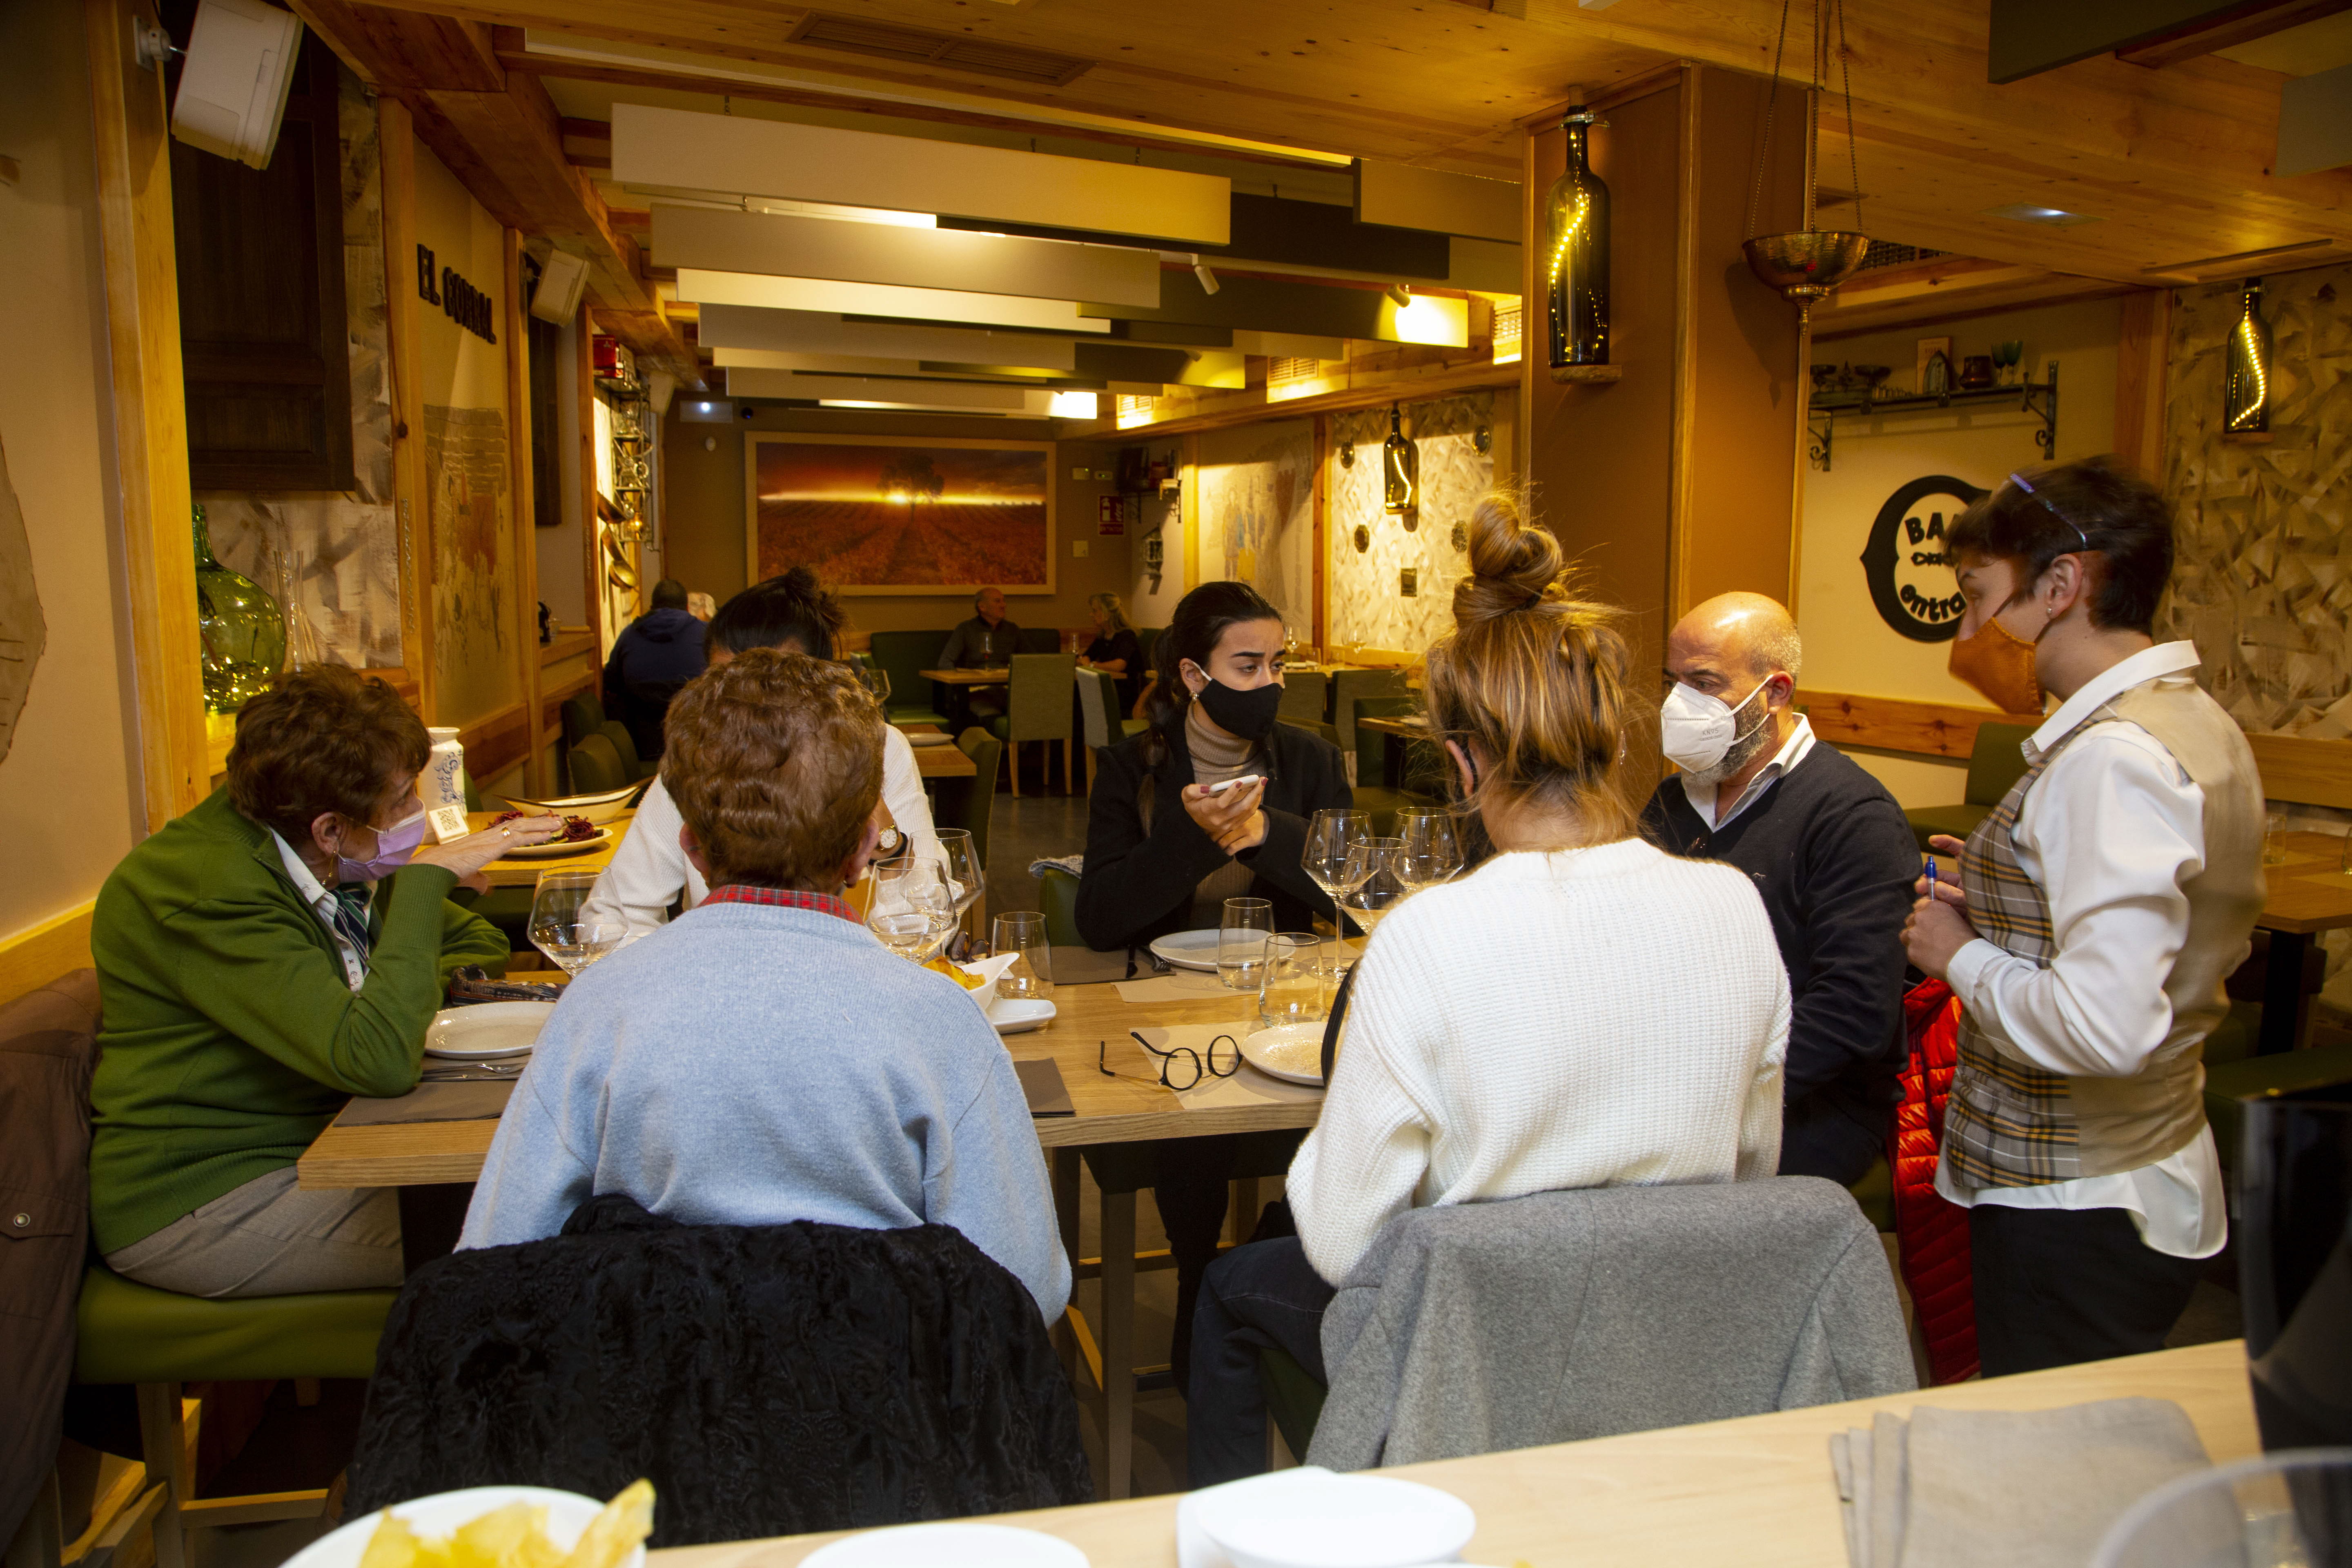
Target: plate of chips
x,y
493,1527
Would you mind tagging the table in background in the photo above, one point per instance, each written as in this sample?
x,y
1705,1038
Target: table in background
x,y
2306,896
524,873
1397,736
946,762
968,677
1756,1491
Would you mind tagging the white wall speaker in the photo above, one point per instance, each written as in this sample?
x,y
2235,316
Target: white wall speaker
x,y
233,84
563,279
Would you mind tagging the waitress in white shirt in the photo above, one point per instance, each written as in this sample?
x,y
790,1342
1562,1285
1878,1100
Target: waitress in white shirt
x,y
2099,908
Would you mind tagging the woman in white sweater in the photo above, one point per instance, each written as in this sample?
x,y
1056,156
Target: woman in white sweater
x,y
649,872
1581,1010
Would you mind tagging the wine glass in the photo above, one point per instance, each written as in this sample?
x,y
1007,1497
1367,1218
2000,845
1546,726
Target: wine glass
x,y
911,908
556,927
958,862
1330,834
877,681
1429,850
1378,890
1023,932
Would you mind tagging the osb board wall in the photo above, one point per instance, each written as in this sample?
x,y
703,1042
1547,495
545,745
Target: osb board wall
x,y
333,562
1366,604
2262,574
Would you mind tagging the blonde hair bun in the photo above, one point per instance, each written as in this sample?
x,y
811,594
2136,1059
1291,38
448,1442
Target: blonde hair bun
x,y
1513,563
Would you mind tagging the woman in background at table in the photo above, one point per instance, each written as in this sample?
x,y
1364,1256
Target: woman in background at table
x,y
649,872
1117,651
1163,854
1581,1010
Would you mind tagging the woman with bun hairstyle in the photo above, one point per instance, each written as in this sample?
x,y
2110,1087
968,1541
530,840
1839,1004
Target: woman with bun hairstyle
x,y
1583,1010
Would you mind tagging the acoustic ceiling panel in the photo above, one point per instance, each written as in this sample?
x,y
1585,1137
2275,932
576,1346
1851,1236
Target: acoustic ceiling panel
x,y
1406,197
974,398
885,301
658,149
860,364
1283,230
814,332
717,241
1315,310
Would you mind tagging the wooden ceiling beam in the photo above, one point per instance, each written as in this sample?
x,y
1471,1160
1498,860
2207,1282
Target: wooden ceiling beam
x,y
2242,25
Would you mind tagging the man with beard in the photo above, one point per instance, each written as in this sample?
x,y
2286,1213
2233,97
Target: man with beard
x,y
1826,846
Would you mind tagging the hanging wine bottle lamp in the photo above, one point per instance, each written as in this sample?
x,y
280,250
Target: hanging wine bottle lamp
x,y
1400,471
1807,265
1576,256
2246,391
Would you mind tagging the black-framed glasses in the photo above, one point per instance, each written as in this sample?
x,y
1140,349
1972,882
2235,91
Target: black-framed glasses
x,y
1181,1066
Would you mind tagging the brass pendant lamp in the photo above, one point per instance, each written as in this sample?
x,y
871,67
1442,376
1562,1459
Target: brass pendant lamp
x,y
1806,265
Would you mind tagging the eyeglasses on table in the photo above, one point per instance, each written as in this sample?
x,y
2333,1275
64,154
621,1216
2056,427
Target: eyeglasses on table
x,y
1179,1067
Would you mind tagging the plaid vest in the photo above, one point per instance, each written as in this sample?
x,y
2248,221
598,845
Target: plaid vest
x,y
2012,1125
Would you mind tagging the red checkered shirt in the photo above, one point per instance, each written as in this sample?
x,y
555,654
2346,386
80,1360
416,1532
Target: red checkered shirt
x,y
783,898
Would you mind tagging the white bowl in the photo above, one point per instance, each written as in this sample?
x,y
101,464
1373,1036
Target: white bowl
x,y
596,808
568,1515
931,1545
1310,1517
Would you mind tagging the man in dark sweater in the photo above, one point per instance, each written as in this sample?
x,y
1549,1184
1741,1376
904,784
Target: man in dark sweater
x,y
1826,846
658,652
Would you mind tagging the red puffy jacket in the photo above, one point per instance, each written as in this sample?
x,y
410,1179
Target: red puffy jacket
x,y
1933,1233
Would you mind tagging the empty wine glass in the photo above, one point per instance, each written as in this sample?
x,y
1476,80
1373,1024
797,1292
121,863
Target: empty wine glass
x,y
911,910
877,681
1331,835
1378,890
959,862
1429,848
556,927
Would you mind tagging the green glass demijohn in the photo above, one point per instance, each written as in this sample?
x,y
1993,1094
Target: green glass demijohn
x,y
243,630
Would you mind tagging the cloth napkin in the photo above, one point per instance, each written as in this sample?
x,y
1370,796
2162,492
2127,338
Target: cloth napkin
x,y
2028,1488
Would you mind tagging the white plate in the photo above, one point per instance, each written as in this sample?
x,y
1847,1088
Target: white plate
x,y
934,739
1007,1016
557,849
487,1030
568,1515
1291,1052
598,808
932,1545
1310,1517
1198,949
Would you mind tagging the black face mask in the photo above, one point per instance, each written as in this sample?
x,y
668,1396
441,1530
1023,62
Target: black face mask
x,y
1249,714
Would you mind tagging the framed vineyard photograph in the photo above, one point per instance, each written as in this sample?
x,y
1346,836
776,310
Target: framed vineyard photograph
x,y
874,514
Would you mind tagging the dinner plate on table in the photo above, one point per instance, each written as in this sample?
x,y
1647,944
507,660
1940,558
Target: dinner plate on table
x,y
555,848
568,1517
1198,949
935,738
966,1545
1007,1015
1291,1052
485,1031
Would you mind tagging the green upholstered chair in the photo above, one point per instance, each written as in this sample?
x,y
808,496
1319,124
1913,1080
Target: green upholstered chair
x,y
1994,765
1375,791
969,803
1305,698
624,746
903,656
1057,895
2230,1085
1039,708
1041,639
582,714
159,1341
1098,709
596,765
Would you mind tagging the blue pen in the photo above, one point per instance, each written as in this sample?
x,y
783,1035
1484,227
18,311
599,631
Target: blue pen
x,y
1931,875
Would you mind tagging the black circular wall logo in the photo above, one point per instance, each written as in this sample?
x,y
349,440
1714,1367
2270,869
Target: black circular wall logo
x,y
1910,576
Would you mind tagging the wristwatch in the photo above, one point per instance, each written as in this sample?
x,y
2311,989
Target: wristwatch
x,y
890,840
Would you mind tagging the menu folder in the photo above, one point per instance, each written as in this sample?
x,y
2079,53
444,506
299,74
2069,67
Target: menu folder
x,y
1041,1081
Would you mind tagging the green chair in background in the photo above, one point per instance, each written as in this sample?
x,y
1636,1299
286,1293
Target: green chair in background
x,y
903,656
624,747
1057,895
1041,639
596,766
1350,687
1305,698
969,803
1375,791
1098,707
1994,765
582,715
1038,709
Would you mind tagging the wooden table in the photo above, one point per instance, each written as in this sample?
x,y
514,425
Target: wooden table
x,y
1757,1492
2307,895
524,873
968,677
946,762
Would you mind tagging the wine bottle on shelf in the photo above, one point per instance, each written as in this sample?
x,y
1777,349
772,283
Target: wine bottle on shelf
x,y
1400,468
2246,394
1576,255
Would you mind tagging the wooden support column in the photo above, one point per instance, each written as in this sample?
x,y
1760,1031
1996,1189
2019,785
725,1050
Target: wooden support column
x,y
1322,502
592,520
395,131
523,557
2140,349
131,140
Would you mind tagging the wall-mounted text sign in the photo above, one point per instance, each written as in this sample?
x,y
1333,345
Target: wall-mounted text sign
x,y
1910,574
459,300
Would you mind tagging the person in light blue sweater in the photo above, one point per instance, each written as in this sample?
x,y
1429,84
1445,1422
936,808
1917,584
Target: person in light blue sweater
x,y
763,1057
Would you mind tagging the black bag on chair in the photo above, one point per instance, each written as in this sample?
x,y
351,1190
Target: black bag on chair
x,y
769,1379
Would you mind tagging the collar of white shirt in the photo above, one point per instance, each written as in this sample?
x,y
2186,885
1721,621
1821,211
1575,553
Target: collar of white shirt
x,y
321,900
2148,664
306,882
1792,751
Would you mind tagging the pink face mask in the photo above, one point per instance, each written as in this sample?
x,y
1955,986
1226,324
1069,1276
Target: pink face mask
x,y
393,846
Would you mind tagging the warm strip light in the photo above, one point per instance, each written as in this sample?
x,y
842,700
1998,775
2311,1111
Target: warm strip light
x,y
1134,410
1508,332
770,206
1442,323
2251,415
1076,406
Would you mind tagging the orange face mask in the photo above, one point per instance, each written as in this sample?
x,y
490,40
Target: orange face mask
x,y
1999,663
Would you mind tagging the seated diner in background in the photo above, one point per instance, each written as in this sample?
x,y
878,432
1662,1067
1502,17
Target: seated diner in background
x,y
1583,1010
655,655
830,1079
277,950
985,641
649,872
1115,650
1827,848
2099,909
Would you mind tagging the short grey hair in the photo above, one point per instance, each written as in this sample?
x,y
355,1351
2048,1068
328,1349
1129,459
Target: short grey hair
x,y
1776,650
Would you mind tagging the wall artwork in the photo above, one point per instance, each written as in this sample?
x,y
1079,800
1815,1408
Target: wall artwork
x,y
466,486
1257,513
872,514
23,631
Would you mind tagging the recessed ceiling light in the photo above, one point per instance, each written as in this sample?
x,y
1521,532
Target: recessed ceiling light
x,y
2026,212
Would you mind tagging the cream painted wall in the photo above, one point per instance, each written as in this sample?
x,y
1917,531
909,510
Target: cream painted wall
x,y
69,790
1257,516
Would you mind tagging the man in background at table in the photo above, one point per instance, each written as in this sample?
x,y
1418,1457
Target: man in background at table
x,y
1826,846
987,641
763,1057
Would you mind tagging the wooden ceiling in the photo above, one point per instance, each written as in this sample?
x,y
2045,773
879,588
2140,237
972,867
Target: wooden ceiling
x,y
2173,161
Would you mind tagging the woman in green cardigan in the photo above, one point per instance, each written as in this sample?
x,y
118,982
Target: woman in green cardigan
x,y
260,961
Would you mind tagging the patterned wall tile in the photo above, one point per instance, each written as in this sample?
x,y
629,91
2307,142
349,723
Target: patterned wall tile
x,y
1366,606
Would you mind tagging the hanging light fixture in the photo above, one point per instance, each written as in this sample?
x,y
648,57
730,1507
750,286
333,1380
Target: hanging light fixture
x,y
1806,265
2246,387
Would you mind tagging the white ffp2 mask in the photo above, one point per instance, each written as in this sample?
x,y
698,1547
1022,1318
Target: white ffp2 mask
x,y
1695,729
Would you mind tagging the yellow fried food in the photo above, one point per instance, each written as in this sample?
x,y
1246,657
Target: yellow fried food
x,y
393,1544
970,982
620,1530
514,1536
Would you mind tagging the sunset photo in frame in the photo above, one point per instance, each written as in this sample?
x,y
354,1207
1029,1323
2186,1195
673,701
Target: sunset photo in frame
x,y
877,514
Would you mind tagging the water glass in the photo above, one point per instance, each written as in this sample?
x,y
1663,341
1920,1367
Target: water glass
x,y
1378,889
556,927
1293,991
911,910
1240,942
1023,932
1331,835
1429,848
2275,836
2285,1511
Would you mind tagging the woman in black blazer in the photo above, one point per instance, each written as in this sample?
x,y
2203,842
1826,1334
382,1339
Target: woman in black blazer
x,y
1163,854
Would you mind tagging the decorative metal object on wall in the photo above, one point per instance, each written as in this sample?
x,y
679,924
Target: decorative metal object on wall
x,y
1363,537
242,632
1576,255
2246,392
1400,470
1461,537
1807,265
1483,439
1346,454
1909,574
23,633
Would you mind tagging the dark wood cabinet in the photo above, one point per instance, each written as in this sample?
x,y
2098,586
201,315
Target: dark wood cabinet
x,y
264,342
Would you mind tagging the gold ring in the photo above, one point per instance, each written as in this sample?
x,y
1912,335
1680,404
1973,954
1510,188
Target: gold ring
x,y
506,832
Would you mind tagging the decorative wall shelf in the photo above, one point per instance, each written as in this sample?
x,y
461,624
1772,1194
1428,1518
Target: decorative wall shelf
x,y
2035,398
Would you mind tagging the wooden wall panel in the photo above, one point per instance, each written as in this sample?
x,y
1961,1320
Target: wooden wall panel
x,y
396,132
2139,378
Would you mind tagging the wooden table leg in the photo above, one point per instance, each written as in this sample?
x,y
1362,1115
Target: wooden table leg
x,y
1118,1341
430,1219
2287,1007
